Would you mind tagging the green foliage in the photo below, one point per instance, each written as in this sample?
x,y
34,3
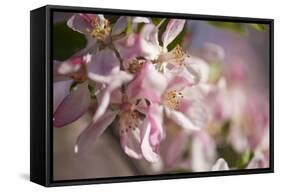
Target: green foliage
x,y
225,129
129,29
156,21
241,28
235,27
66,42
258,27
244,159
179,170
227,152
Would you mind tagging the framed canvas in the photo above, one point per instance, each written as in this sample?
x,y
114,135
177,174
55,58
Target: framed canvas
x,y
125,95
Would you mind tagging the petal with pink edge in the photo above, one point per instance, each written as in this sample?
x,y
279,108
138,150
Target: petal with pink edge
x,y
90,134
155,116
128,47
115,81
61,90
56,76
180,119
130,142
73,106
173,29
120,25
195,111
79,23
149,43
104,63
149,84
150,153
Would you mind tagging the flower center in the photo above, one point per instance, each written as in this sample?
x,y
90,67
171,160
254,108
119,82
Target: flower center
x,y
172,98
101,28
135,66
129,120
175,56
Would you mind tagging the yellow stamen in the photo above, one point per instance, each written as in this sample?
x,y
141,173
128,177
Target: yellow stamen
x,y
172,99
100,31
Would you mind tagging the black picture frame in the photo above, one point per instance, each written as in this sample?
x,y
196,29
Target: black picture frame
x,y
41,129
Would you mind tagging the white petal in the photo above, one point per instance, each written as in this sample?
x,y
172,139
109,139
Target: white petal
x,y
180,119
173,29
120,25
220,165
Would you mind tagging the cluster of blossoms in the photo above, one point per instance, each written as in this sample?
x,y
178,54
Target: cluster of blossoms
x,y
157,96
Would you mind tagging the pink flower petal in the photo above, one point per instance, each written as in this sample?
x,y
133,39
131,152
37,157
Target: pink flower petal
x,y
180,119
149,43
203,152
73,106
176,148
178,83
173,29
102,104
90,134
149,84
61,90
104,63
70,66
195,111
149,152
140,20
130,142
114,82
79,24
56,75
128,47
198,68
155,116
120,25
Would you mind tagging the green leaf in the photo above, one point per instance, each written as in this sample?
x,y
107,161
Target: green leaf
x,y
225,129
244,159
157,21
228,153
258,27
66,42
230,26
129,29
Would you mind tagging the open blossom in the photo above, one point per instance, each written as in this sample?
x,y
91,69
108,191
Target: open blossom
x,y
151,48
140,128
93,26
103,68
68,106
